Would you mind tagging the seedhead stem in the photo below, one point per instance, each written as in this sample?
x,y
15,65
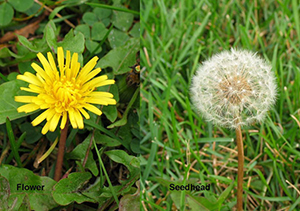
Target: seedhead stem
x,y
240,146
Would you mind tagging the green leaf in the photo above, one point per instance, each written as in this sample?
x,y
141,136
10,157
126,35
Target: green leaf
x,y
69,190
25,67
130,202
196,203
89,18
135,145
121,58
6,14
79,153
101,13
132,163
4,192
39,199
176,198
124,133
12,76
123,121
117,38
24,206
92,46
33,134
5,52
33,10
21,202
110,112
135,31
8,105
224,195
106,140
98,31
122,20
73,43
21,5
55,11
50,35
106,22
39,45
84,29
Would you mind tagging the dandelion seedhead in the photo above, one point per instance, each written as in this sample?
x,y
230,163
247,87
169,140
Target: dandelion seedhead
x,y
64,92
234,88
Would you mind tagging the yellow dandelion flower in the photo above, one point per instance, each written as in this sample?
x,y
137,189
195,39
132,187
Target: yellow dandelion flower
x,y
66,93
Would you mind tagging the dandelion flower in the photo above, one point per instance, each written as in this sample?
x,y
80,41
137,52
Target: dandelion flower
x,y
234,88
64,93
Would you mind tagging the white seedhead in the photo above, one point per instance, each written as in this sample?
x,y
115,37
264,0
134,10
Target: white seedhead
x,y
244,92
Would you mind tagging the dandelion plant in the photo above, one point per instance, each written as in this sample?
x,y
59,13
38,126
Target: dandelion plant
x,y
234,89
65,94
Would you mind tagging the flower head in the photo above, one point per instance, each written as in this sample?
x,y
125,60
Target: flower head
x,y
65,93
234,88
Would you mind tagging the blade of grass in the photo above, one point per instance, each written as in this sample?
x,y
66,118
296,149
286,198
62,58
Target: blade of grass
x,y
102,167
113,8
12,142
19,142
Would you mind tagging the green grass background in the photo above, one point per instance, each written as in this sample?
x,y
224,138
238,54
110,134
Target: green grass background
x,y
178,144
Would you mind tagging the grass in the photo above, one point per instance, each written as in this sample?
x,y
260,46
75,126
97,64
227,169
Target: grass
x,y
178,144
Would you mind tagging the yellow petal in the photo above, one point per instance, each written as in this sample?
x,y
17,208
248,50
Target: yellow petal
x,y
28,90
24,99
51,113
54,122
90,75
68,59
75,69
33,78
60,59
101,94
63,120
28,108
50,100
36,88
52,62
78,119
40,71
30,78
67,66
46,65
38,101
92,83
84,113
40,78
88,67
44,106
93,109
72,118
40,118
46,128
101,101
74,65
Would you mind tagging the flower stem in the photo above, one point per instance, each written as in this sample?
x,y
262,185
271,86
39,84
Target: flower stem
x,y
239,140
61,152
